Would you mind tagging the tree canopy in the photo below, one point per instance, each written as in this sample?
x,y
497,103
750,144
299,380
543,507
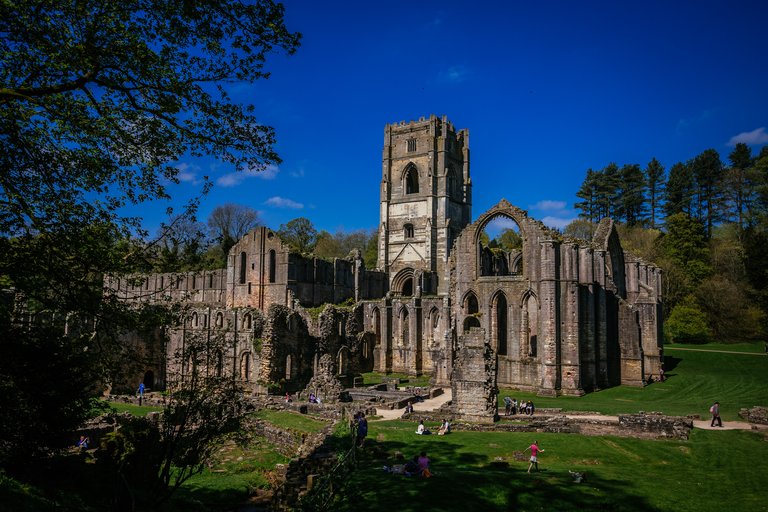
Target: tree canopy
x,y
98,103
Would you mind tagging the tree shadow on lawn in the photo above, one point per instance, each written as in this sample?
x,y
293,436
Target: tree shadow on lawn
x,y
467,481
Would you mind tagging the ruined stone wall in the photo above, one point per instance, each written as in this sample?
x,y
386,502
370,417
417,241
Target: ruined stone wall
x,y
221,342
473,382
409,333
200,287
286,352
258,270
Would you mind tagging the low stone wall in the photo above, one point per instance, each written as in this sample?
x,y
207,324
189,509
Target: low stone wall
x,y
314,458
656,425
95,429
757,415
647,426
154,399
553,424
284,441
393,399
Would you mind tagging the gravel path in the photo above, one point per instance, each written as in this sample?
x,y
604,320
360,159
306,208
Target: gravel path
x,y
714,350
432,404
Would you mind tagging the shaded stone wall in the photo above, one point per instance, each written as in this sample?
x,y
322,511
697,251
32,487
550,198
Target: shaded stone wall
x,y
473,381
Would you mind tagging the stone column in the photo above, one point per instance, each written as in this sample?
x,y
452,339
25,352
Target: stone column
x,y
570,358
549,333
601,320
474,379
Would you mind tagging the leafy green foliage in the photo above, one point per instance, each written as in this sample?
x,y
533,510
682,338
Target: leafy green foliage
x,y
582,229
342,243
99,101
687,324
300,234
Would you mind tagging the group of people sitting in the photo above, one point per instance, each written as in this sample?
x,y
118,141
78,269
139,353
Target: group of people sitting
x,y
512,406
442,429
417,466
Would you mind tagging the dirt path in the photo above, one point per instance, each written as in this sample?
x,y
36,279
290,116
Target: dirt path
x,y
702,424
712,350
430,404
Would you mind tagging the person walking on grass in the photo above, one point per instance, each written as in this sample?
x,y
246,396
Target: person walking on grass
x,y
715,411
534,455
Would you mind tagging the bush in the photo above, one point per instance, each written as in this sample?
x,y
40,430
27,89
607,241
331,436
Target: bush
x,y
687,323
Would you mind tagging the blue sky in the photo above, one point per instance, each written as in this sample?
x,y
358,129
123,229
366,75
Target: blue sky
x,y
546,89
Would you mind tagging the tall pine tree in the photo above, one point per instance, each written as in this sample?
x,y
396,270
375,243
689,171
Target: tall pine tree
x,y
678,197
631,201
654,180
708,175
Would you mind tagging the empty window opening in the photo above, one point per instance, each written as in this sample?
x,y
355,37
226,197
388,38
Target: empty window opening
x,y
500,248
405,327
272,264
242,267
408,287
500,324
412,181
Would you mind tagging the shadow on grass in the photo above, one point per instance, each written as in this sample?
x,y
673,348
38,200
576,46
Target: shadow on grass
x,y
465,481
670,363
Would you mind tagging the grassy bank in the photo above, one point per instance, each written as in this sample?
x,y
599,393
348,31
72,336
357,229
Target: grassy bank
x,y
695,379
479,471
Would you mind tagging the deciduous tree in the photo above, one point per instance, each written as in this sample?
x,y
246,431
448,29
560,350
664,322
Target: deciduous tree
x,y
98,103
300,234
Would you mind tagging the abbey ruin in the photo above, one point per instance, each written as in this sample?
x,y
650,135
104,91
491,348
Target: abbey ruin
x,y
548,314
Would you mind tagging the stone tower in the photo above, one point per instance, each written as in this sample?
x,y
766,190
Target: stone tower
x,y
426,200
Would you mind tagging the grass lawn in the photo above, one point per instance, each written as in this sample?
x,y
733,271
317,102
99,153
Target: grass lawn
x,y
695,379
236,474
240,470
290,420
478,471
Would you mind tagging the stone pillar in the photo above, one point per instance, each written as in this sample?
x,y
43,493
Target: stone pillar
x,y
549,333
570,357
601,320
474,379
587,319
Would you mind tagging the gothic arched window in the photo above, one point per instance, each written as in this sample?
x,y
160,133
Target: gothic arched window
x,y
411,181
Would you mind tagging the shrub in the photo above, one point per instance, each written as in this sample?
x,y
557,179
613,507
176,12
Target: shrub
x,y
687,323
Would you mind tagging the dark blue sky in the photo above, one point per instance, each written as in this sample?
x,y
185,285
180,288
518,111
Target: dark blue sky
x,y
546,89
